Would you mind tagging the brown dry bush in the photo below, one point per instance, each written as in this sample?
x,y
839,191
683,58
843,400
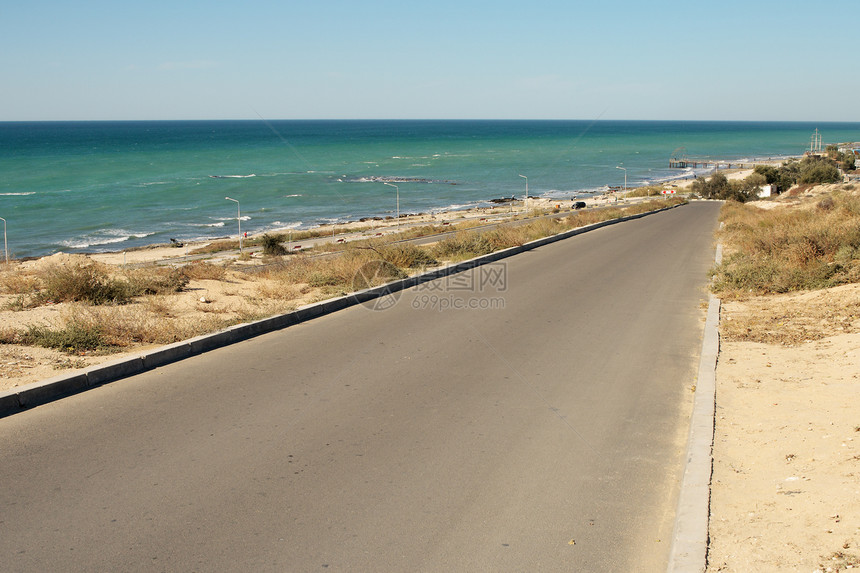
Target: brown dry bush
x,y
155,280
783,250
87,282
326,272
203,271
280,291
405,255
132,325
463,245
17,281
506,236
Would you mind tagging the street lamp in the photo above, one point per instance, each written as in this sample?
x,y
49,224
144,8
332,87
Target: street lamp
x,y
5,244
526,202
625,177
238,219
398,199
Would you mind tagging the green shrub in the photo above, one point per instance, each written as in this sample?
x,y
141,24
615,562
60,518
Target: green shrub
x,y
72,338
817,172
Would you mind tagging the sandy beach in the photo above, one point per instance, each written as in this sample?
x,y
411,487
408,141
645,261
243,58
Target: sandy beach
x,y
370,228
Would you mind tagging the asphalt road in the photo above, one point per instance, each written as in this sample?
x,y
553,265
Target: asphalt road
x,y
538,426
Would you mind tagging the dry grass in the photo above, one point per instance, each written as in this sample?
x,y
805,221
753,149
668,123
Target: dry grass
x,y
203,271
791,274
794,318
14,281
648,191
811,246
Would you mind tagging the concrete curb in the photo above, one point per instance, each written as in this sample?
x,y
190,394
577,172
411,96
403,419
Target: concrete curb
x,y
690,536
25,397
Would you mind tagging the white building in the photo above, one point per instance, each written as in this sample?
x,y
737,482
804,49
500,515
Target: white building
x,y
766,191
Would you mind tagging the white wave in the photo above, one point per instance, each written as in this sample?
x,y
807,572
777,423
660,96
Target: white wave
x,y
456,207
233,176
282,225
110,236
227,219
294,195
218,224
17,194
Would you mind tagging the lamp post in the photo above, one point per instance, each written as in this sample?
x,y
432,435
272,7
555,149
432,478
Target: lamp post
x,y
238,219
625,177
398,199
526,201
5,244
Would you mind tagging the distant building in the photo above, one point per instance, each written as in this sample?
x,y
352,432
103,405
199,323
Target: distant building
x,y
766,191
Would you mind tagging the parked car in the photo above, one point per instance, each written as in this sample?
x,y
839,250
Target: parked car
x,y
579,205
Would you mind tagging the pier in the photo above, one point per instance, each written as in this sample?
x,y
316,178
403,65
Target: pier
x,y
708,164
680,160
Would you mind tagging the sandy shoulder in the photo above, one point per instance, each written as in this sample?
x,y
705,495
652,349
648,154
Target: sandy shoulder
x,y
785,492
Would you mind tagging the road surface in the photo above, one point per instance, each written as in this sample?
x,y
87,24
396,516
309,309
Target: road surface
x,y
529,415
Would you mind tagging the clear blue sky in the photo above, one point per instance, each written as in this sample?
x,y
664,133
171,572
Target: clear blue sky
x,y
607,59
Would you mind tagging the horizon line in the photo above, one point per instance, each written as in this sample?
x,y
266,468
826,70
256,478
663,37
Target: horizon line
x,y
427,120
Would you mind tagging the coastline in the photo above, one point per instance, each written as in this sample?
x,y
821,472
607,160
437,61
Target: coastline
x,y
368,227
220,292
365,228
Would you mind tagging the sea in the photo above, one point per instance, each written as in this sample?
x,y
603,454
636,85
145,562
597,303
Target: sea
x,y
110,186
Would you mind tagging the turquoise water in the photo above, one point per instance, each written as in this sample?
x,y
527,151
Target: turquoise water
x,y
107,186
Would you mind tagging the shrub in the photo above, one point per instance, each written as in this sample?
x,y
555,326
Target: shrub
x,y
14,281
649,191
463,245
203,271
72,338
819,172
83,282
373,273
406,256
272,245
156,281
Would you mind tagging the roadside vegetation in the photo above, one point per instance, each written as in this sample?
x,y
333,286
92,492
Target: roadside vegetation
x,y
87,307
813,245
811,170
